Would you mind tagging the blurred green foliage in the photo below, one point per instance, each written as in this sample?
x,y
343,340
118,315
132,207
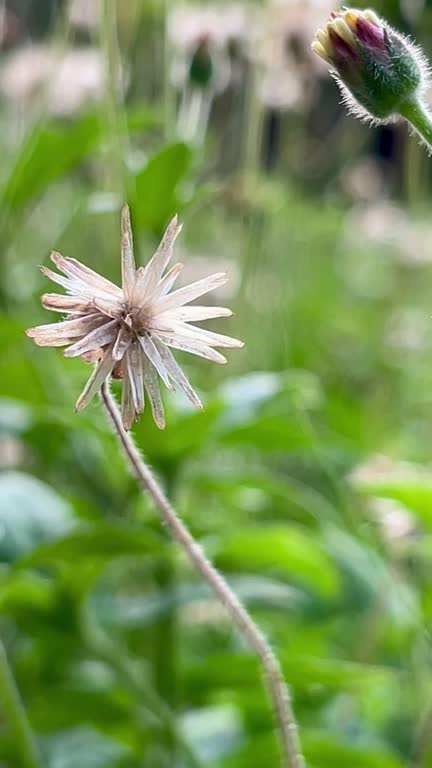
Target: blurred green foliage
x,y
122,657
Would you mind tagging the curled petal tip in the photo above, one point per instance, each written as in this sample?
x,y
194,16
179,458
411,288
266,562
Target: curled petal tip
x,y
319,49
125,214
344,31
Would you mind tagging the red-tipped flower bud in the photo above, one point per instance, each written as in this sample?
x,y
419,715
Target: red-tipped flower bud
x,y
378,70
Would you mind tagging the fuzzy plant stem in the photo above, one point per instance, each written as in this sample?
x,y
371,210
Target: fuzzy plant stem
x,y
276,687
14,713
420,119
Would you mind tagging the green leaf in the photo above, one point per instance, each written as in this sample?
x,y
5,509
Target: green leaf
x,y
283,550
270,433
415,493
31,514
324,751
53,149
321,751
84,748
157,193
144,609
245,396
102,541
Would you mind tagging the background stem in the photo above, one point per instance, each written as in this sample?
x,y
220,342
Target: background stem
x,y
101,644
117,134
14,712
273,678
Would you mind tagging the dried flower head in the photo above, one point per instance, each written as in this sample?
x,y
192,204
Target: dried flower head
x,y
130,330
378,69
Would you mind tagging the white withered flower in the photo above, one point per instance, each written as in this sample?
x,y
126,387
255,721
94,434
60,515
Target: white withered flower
x,y
130,330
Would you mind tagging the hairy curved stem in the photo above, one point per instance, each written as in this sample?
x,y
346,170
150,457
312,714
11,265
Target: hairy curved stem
x,y
15,715
420,119
273,678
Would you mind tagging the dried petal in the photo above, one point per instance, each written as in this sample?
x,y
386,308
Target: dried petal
x,y
127,406
193,347
149,276
176,374
100,337
135,375
127,255
124,338
153,355
60,334
192,291
151,384
100,373
57,302
194,314
193,333
84,275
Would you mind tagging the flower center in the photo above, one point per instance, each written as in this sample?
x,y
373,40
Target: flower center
x,y
138,319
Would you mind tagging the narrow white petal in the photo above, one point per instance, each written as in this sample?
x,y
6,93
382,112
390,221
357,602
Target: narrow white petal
x,y
110,307
191,292
81,290
127,254
100,373
153,355
128,412
88,277
193,347
100,337
121,343
167,282
60,334
134,361
57,302
177,375
195,313
60,280
151,384
207,337
150,275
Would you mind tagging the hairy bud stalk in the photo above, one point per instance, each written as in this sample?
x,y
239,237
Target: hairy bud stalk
x,y
381,74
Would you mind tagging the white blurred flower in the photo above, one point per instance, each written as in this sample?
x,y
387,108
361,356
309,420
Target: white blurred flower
x,y
409,330
85,14
65,81
380,469
12,452
221,25
197,266
365,181
219,22
395,520
387,224
287,64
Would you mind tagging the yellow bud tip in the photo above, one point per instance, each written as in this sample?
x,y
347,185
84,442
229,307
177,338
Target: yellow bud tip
x,y
323,39
343,30
320,51
371,16
350,18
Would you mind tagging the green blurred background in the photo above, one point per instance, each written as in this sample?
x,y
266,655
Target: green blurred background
x,y
307,478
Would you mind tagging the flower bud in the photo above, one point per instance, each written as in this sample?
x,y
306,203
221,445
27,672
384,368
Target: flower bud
x,y
377,69
201,64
